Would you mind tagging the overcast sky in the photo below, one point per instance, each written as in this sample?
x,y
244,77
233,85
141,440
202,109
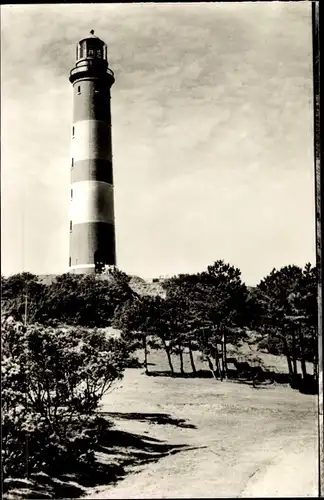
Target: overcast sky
x,y
212,127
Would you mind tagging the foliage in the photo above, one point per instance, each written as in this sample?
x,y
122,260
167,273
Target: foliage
x,y
148,317
136,318
85,300
303,300
274,294
118,275
214,303
207,310
15,289
286,301
141,319
52,383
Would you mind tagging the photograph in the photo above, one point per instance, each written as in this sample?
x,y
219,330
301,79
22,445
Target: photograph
x,y
159,251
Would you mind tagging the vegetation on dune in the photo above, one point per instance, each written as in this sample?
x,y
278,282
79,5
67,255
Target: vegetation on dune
x,y
52,384
14,291
138,320
214,309
85,300
213,306
208,310
286,303
57,364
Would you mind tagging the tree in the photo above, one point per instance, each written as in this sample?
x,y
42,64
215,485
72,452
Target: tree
x,y
89,300
158,324
181,316
146,317
273,292
287,299
52,384
303,303
135,318
23,295
215,301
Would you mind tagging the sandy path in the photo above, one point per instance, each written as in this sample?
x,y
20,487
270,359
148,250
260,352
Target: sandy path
x,y
204,473
296,472
245,443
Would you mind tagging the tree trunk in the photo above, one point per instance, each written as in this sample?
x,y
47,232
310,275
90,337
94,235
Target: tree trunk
x,y
145,354
210,364
193,367
290,367
218,367
170,361
181,359
294,357
315,364
167,350
26,307
302,353
315,368
224,357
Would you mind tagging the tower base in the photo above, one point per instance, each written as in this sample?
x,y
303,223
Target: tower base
x,y
89,269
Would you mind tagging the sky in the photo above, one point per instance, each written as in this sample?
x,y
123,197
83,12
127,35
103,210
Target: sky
x,y
212,131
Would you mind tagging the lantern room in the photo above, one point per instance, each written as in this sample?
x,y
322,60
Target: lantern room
x,y
91,60
91,47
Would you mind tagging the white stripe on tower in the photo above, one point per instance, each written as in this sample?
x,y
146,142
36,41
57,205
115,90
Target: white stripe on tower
x,y
83,266
92,201
91,140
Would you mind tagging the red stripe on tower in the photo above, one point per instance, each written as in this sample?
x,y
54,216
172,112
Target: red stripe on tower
x,y
92,222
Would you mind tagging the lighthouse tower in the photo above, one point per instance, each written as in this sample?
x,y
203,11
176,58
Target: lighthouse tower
x,y
92,227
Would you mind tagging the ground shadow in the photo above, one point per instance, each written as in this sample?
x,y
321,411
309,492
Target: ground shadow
x,y
255,376
308,385
154,418
118,453
263,378
168,373
134,362
40,486
136,449
126,451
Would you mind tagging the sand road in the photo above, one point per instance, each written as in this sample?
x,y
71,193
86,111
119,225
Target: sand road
x,y
241,442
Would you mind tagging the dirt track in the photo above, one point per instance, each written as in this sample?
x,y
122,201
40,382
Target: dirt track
x,y
296,472
239,441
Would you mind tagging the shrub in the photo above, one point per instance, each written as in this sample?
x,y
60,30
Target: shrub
x,y
88,300
14,291
52,383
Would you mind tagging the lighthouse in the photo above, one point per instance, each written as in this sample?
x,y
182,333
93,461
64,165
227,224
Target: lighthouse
x,y
92,223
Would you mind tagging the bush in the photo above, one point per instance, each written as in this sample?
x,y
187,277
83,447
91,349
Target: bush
x,y
52,383
88,300
15,289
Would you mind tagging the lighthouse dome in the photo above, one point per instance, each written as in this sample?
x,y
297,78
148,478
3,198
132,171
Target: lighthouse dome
x,y
91,36
91,47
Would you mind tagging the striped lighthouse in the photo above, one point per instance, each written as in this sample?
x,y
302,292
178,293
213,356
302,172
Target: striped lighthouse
x,y
92,227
